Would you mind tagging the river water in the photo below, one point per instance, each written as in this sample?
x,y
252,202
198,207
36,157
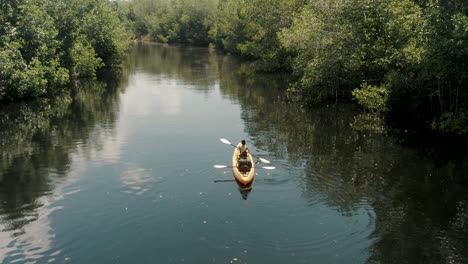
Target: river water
x,y
122,172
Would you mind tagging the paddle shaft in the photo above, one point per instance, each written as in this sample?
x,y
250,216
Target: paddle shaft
x,y
226,166
225,141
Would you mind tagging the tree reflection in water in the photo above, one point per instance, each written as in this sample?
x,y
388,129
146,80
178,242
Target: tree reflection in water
x,y
351,161
37,142
340,158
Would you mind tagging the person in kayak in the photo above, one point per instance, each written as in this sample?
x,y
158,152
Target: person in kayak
x,y
243,148
244,164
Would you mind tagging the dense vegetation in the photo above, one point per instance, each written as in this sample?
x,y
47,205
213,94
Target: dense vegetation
x,y
45,43
404,60
400,59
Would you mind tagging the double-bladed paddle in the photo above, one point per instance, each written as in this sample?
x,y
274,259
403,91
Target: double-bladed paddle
x,y
225,141
225,166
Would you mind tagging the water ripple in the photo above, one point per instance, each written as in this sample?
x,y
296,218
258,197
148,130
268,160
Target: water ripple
x,y
136,180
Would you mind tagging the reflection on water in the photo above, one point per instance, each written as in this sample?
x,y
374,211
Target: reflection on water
x,y
136,156
244,191
348,162
39,141
135,179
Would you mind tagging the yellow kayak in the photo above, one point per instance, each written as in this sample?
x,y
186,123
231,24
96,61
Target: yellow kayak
x,y
243,178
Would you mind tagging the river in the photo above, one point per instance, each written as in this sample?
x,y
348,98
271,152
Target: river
x,y
122,172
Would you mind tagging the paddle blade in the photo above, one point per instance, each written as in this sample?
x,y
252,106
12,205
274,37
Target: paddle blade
x,y
225,141
264,160
269,168
220,166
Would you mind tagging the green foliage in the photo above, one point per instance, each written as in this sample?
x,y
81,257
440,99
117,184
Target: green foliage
x,y
409,57
373,98
435,89
106,33
246,28
416,51
250,29
173,21
85,61
19,78
95,23
43,42
339,44
318,41
229,25
38,35
453,123
447,60
29,51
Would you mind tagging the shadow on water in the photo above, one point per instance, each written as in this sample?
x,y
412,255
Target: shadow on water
x,y
245,192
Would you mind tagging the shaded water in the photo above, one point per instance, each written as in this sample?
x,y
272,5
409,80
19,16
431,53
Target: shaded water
x,y
122,172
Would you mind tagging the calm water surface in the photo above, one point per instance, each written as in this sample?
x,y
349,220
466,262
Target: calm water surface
x,y
122,172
